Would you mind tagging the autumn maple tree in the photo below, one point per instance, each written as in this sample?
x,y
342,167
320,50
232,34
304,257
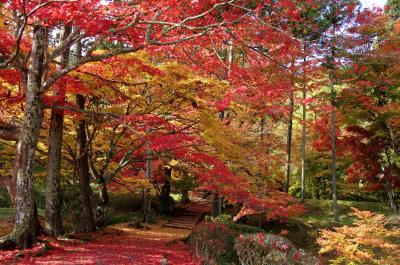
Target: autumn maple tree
x,y
39,39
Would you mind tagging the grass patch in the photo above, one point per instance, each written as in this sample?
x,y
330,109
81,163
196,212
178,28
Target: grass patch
x,y
319,212
115,218
6,213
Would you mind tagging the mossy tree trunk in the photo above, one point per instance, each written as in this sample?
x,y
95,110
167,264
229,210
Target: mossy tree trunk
x,y
26,224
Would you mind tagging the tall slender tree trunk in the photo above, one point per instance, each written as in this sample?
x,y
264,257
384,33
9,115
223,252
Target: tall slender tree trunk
x,y
26,225
217,198
53,223
303,132
289,143
333,144
149,159
331,65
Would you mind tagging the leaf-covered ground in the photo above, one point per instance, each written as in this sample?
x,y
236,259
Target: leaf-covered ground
x,y
119,244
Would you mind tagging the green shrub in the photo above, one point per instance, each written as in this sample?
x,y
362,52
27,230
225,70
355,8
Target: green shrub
x,y
235,227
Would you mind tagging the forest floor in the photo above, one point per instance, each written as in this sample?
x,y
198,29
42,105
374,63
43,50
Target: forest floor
x,y
122,243
116,244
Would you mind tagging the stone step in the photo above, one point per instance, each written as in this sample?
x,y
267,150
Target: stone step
x,y
187,216
181,223
179,226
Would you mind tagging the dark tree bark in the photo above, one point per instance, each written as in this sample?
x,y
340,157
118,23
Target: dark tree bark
x,y
53,223
86,213
166,201
26,225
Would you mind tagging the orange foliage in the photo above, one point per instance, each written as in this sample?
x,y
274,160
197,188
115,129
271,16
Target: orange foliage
x,y
367,242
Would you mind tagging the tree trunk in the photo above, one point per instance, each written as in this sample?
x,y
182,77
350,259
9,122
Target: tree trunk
x,y
149,159
146,191
165,198
217,205
392,201
53,223
86,214
303,134
103,192
26,224
333,143
102,209
303,151
289,143
217,200
389,190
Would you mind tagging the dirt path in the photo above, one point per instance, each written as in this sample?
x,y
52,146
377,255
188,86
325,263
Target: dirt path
x,y
120,244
